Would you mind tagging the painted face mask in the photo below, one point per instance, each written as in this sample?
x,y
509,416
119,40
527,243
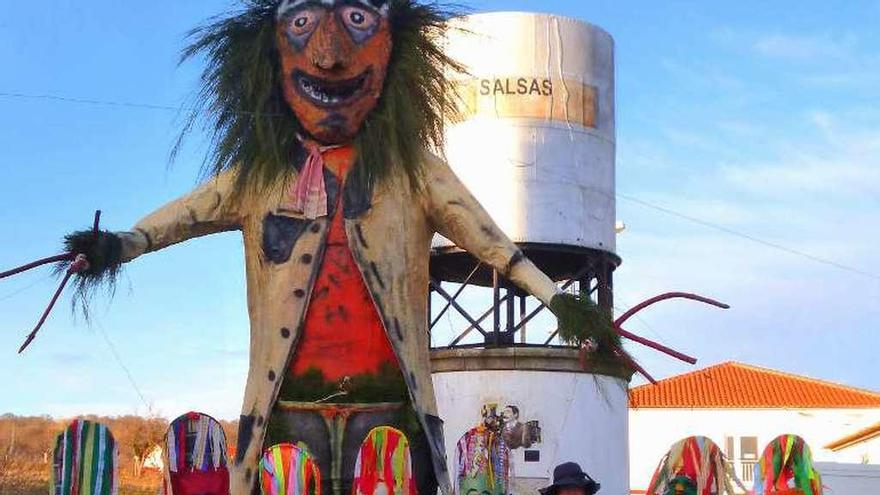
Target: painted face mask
x,y
334,55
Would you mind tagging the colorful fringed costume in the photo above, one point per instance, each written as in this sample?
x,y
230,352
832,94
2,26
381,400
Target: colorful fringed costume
x,y
786,467
693,466
287,469
482,463
194,456
384,460
84,461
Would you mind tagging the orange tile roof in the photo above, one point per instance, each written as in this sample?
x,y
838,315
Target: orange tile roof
x,y
855,438
733,385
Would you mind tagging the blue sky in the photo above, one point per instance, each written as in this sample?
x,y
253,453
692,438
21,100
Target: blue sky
x,y
759,117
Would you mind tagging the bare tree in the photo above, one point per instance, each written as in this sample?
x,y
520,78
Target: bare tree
x,y
138,436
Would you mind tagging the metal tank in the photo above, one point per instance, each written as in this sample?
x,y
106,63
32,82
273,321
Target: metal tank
x,y
537,143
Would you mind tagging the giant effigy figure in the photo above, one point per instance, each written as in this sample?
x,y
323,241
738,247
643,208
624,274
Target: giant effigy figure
x,y
324,114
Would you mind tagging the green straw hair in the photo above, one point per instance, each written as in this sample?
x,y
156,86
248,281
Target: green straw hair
x,y
241,102
581,320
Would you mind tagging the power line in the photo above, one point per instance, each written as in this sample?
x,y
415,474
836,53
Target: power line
x,y
107,340
86,101
124,104
668,211
750,237
26,287
122,365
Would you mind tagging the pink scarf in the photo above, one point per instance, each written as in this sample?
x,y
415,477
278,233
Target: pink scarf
x,y
309,193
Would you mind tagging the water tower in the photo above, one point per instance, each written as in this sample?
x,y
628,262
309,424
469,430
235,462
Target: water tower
x,y
537,148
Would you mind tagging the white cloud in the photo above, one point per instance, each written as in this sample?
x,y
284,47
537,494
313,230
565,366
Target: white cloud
x,y
805,47
703,74
829,61
864,78
844,164
806,176
741,128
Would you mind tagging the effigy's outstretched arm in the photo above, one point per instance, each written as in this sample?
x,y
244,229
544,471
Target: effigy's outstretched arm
x,y
211,208
93,258
459,217
208,209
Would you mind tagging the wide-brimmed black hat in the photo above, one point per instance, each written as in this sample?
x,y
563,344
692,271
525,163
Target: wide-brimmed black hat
x,y
571,474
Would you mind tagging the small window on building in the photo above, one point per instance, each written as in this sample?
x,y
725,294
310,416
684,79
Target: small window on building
x,y
748,448
532,455
728,448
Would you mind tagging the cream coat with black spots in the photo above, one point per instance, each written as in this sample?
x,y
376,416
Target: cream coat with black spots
x,y
389,232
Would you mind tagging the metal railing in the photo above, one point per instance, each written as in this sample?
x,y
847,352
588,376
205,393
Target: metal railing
x,y
503,323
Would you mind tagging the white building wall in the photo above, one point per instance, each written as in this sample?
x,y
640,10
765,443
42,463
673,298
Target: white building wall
x,y
583,418
850,479
652,431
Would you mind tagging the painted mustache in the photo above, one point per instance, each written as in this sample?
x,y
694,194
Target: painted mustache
x,y
328,93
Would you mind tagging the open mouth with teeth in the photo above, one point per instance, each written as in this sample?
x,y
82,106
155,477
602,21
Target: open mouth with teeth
x,y
327,93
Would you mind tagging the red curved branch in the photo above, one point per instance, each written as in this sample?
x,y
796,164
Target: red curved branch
x,y
656,346
35,264
96,225
650,343
632,363
45,315
80,263
662,297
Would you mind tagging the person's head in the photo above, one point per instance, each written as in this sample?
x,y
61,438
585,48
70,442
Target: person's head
x,y
570,479
334,56
510,413
490,416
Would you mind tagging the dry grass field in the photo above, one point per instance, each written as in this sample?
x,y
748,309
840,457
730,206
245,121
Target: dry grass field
x,y
26,445
17,478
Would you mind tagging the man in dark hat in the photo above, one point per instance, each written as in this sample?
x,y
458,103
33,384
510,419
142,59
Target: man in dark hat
x,y
570,479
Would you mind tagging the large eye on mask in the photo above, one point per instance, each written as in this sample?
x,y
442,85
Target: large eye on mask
x,y
300,24
360,22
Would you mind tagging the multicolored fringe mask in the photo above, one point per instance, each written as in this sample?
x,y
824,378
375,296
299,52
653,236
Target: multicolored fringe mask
x,y
84,461
195,456
786,467
482,463
288,469
693,466
384,461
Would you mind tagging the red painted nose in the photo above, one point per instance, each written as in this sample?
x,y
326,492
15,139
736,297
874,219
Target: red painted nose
x,y
331,46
